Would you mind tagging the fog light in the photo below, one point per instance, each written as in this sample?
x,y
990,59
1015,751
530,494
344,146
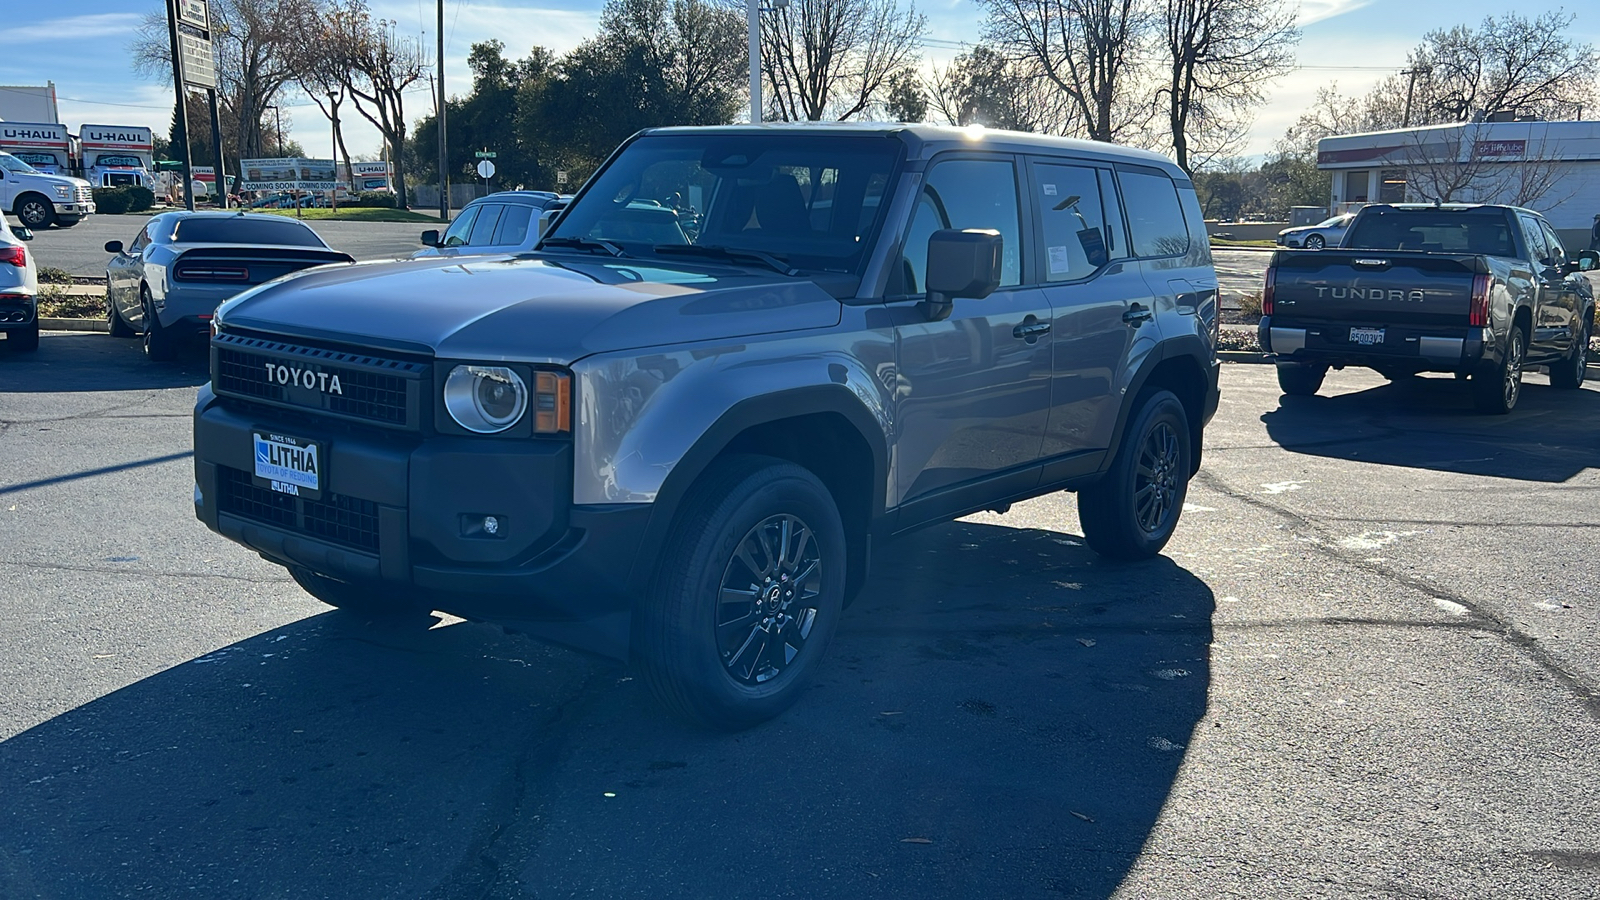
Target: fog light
x,y
491,525
483,526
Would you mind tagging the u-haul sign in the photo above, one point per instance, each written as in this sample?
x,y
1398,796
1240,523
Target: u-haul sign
x,y
22,135
115,137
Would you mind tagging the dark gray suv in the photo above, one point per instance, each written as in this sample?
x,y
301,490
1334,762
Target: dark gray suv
x,y
737,364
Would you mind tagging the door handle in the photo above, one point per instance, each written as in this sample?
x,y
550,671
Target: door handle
x,y
1030,329
1136,315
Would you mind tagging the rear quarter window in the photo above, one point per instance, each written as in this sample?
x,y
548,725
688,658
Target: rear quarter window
x,y
1155,217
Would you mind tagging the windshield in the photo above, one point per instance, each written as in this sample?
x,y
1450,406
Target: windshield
x,y
12,164
814,201
1336,220
254,229
1433,230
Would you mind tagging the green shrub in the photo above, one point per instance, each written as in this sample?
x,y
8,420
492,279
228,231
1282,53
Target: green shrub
x,y
375,199
53,275
112,201
141,198
1250,306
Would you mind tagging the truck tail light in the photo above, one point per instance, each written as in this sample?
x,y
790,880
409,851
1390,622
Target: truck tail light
x,y
1478,312
15,256
1266,290
552,403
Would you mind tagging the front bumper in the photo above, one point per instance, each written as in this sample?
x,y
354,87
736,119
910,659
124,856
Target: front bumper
x,y
1404,347
69,208
402,515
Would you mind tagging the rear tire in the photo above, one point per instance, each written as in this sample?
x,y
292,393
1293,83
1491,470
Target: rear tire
x,y
1574,367
160,344
746,596
1300,379
1132,511
1495,389
25,340
117,325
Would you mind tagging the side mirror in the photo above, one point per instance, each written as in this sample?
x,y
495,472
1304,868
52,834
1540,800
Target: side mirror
x,y
961,264
430,238
1588,260
113,246
23,232
549,216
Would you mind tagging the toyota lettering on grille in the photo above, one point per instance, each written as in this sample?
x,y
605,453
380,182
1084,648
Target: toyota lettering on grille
x,y
306,378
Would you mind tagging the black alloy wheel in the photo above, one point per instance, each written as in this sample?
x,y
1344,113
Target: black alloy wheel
x,y
35,211
1316,242
746,594
768,604
1133,510
1497,387
1574,368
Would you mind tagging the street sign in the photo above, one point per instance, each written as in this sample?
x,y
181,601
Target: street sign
x,y
193,12
561,177
198,68
484,154
486,169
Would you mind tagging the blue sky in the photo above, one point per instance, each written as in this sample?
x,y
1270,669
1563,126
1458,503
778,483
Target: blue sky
x,y
1352,42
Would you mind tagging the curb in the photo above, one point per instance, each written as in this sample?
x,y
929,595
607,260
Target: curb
x,y
100,325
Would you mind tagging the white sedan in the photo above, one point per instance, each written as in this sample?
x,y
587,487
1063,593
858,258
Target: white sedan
x,y
19,289
1327,233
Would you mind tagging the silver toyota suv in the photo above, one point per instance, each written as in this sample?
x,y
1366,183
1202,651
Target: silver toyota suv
x,y
739,361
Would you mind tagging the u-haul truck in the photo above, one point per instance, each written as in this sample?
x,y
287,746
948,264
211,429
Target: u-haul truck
x,y
117,155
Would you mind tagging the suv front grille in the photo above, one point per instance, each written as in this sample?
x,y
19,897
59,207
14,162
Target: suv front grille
x,y
337,519
349,385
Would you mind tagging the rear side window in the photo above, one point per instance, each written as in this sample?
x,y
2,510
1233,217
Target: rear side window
x,y
242,229
513,227
483,229
1077,241
1154,216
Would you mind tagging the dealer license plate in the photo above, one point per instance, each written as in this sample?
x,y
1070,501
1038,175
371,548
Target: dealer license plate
x,y
1366,336
289,465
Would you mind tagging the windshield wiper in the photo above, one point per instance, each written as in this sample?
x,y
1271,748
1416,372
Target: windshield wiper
x,y
578,243
736,254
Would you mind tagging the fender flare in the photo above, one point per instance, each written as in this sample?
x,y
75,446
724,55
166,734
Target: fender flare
x,y
1180,346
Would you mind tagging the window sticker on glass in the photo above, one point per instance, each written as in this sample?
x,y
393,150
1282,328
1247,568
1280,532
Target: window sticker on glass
x,y
1060,261
1049,190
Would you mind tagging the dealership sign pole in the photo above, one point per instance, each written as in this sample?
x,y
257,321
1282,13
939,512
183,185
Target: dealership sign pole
x,y
182,111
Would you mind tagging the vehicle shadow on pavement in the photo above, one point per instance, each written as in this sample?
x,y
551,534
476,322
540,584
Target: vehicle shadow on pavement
x,y
1002,714
92,361
1430,423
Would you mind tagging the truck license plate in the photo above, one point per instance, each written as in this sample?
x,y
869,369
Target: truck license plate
x,y
289,465
1366,336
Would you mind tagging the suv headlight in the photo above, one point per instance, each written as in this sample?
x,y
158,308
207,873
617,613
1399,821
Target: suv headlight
x,y
63,192
485,399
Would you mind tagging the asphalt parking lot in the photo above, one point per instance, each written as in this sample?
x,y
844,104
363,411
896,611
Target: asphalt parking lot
x,y
1366,667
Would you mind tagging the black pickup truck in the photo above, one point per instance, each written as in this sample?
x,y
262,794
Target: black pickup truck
x,y
1485,292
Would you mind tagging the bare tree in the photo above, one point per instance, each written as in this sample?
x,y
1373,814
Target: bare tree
x,y
1090,49
378,65
837,59
1472,164
254,43
1220,55
1507,64
982,87
321,74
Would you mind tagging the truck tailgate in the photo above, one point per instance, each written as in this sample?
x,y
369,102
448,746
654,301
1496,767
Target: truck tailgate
x,y
1377,287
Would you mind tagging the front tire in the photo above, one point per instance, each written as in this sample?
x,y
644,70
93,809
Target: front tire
x,y
1316,242
746,596
1495,389
1132,512
160,344
1300,379
35,211
1574,368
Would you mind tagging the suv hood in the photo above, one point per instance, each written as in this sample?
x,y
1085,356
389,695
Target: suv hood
x,y
527,309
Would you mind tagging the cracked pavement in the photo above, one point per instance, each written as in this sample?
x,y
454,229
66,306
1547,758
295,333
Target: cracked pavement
x,y
1367,666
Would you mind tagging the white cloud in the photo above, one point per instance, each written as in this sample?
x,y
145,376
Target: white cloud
x,y
76,28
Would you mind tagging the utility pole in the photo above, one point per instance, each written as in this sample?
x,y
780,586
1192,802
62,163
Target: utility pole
x,y
444,178
1411,87
753,12
216,145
